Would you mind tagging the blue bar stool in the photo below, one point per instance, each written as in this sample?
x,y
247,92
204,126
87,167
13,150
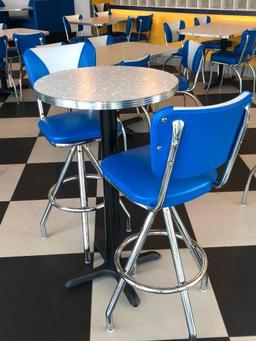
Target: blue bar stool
x,y
143,28
120,37
171,35
187,147
73,130
241,55
24,42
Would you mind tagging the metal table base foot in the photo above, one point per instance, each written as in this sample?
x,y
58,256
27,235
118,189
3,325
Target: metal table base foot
x,y
109,271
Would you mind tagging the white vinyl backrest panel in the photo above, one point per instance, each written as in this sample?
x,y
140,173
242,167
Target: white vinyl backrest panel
x,y
73,27
174,27
202,20
192,48
99,41
60,58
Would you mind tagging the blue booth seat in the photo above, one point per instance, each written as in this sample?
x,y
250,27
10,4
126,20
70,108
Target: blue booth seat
x,y
47,14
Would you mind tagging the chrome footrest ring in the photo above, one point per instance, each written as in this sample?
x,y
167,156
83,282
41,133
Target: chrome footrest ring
x,y
153,289
56,204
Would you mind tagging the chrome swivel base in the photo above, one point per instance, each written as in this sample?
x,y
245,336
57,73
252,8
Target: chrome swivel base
x,y
170,216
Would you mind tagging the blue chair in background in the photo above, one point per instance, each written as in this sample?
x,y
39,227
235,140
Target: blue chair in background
x,y
210,45
143,62
172,36
73,130
241,55
187,147
24,42
143,28
71,29
124,36
5,65
192,59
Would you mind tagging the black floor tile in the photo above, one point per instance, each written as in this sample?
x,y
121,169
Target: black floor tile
x,y
238,178
3,208
249,143
37,179
16,150
138,216
34,303
212,99
24,109
233,278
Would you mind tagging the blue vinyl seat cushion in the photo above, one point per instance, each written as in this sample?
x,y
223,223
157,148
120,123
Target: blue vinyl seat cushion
x,y
2,64
183,83
228,57
212,44
179,53
131,173
72,127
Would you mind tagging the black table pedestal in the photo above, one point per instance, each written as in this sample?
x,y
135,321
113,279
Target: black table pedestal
x,y
111,230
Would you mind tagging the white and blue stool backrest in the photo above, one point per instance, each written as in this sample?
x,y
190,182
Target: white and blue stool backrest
x,y
171,31
101,40
208,138
101,7
193,53
144,23
143,62
129,24
72,28
28,41
40,62
202,20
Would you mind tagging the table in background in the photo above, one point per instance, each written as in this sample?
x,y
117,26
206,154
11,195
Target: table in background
x,y
115,53
107,88
101,21
10,31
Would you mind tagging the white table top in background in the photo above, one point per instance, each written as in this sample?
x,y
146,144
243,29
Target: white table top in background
x,y
100,21
9,32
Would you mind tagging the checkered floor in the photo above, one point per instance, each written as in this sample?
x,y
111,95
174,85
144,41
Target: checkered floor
x,y
34,304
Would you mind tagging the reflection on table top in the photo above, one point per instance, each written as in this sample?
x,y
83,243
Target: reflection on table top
x,y
16,9
100,21
106,87
113,54
9,32
222,30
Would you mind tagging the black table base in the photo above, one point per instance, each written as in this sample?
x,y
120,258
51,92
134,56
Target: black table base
x,y
109,237
108,270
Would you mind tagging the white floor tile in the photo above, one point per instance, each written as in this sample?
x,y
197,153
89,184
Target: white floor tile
x,y
9,177
218,219
19,127
158,317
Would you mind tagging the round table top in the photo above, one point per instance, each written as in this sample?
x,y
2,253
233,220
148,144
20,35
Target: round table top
x,y
15,9
106,87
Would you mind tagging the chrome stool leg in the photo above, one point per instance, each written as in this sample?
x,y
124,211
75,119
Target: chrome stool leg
x,y
210,79
128,216
128,269
246,190
84,203
55,192
192,248
179,273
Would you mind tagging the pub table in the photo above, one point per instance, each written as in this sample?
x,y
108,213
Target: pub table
x,y
108,89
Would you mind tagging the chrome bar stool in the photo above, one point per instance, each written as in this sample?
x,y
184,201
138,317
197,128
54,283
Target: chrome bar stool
x,y
187,147
72,130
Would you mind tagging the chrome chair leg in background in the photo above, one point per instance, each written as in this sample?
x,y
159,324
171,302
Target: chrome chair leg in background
x,y
246,190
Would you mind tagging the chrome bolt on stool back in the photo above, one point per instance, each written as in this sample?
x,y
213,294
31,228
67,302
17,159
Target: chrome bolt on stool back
x,y
194,143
